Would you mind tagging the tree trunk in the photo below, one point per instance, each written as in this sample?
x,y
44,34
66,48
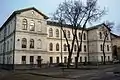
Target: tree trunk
x,y
69,60
104,49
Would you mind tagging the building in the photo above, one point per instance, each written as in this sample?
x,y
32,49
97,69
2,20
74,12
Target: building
x,y
27,37
115,46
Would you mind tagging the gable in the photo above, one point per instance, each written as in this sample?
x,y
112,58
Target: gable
x,y
31,13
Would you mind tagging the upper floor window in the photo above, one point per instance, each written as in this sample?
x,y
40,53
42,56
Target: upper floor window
x,y
24,43
50,32
101,47
79,35
57,33
8,29
51,47
57,47
7,45
24,23
64,33
32,25
65,47
75,48
39,44
31,43
100,34
107,37
85,48
107,47
40,25
68,34
84,36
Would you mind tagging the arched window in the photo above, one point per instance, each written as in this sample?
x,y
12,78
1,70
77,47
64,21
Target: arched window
x,y
75,48
101,47
40,26
107,47
65,47
32,25
68,34
24,43
51,47
39,44
100,34
57,33
57,47
84,36
31,43
64,33
24,23
50,32
79,35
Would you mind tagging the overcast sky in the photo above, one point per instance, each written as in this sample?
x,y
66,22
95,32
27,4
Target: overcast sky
x,y
49,6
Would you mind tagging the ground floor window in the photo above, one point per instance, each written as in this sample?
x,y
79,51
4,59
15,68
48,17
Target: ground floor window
x,y
108,58
57,59
51,60
80,59
23,59
85,59
31,59
101,58
65,59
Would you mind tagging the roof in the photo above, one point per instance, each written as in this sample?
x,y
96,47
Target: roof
x,y
22,10
97,26
53,23
115,35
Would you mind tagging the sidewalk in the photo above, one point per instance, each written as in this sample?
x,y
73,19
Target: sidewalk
x,y
56,72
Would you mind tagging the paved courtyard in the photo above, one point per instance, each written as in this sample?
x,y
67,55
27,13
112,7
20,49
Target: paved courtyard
x,y
105,72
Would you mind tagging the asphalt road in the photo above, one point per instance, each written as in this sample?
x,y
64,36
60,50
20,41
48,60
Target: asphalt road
x,y
96,74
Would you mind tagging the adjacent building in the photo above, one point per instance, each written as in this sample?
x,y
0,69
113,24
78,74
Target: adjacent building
x,y
27,37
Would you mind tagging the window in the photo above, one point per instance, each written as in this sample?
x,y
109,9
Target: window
x,y
32,25
85,59
101,47
39,44
31,59
65,47
12,43
65,59
8,29
57,33
50,32
40,25
79,35
68,34
31,43
81,59
51,47
75,48
7,45
24,23
57,47
23,59
108,58
85,48
100,34
107,47
101,58
84,36
64,33
57,59
107,37
51,60
24,43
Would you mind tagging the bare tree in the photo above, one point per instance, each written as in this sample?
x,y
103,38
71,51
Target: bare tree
x,y
105,32
77,14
